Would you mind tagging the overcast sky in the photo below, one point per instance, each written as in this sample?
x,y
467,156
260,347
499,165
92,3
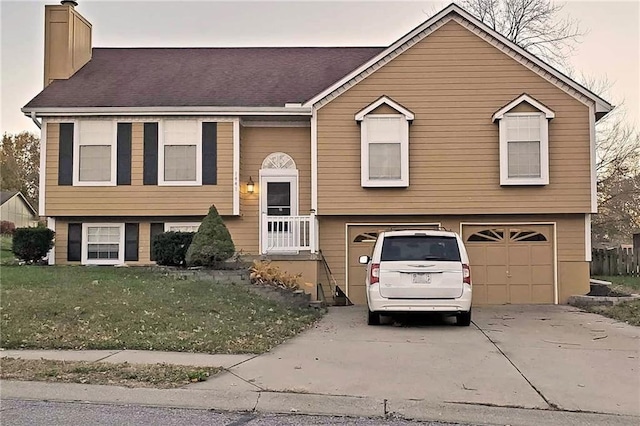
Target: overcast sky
x,y
611,48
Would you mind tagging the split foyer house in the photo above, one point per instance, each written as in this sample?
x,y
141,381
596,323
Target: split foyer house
x,y
308,153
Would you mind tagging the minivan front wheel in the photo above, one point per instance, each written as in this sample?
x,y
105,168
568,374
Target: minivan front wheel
x,y
373,318
463,319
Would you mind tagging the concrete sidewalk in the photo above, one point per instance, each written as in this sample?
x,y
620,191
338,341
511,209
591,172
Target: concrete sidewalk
x,y
516,365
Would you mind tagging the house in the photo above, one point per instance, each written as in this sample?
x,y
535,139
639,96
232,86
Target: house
x,y
15,208
308,153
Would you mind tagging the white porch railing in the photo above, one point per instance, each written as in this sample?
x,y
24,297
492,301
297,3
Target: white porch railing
x,y
288,234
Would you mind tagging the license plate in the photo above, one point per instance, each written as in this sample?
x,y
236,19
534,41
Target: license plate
x,y
420,278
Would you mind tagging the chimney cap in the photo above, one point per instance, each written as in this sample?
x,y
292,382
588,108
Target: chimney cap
x,y
71,3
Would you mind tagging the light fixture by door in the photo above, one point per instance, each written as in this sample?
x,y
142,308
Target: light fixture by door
x,y
250,186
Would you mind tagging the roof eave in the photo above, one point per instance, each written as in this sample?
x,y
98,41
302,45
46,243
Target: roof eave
x,y
602,106
175,110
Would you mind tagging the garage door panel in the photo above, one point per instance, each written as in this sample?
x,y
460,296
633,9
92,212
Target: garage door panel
x,y
477,254
496,275
542,293
542,274
496,254
540,254
513,262
519,294
520,274
497,294
519,255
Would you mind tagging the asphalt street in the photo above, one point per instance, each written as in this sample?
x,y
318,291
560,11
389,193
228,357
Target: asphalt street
x,y
20,412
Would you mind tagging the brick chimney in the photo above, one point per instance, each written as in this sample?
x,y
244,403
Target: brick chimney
x,y
67,41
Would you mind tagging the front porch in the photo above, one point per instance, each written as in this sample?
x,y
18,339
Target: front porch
x,y
288,235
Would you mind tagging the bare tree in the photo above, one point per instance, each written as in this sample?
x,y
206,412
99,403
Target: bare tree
x,y
535,25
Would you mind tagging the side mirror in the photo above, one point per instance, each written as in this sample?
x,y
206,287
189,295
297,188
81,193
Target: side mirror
x,y
363,260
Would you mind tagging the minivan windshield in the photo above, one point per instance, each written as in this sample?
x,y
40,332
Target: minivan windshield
x,y
420,247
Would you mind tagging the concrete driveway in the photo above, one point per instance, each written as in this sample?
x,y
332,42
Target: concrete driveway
x,y
545,357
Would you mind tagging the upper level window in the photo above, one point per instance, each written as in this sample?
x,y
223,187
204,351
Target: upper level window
x,y
95,153
180,153
384,144
524,142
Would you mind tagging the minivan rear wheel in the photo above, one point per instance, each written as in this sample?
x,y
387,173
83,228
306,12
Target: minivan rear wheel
x,y
463,319
373,319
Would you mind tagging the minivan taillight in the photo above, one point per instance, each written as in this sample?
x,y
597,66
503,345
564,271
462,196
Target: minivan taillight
x,y
466,274
374,277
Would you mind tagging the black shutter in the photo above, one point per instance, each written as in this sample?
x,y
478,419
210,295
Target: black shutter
x,y
131,241
156,228
74,242
209,153
124,154
65,155
150,154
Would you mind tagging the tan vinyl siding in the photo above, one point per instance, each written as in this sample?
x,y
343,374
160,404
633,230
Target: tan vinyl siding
x,y
570,241
138,199
384,109
454,82
256,143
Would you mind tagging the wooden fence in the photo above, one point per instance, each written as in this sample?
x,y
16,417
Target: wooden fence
x,y
619,261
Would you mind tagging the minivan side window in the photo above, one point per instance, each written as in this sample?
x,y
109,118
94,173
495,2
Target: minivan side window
x,y
420,247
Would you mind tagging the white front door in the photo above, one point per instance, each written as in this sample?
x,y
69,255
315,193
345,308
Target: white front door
x,y
279,200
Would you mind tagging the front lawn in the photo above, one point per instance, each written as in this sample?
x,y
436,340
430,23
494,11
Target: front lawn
x,y
101,373
134,308
6,255
622,280
627,311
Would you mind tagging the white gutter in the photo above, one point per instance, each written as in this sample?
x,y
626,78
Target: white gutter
x,y
35,120
190,110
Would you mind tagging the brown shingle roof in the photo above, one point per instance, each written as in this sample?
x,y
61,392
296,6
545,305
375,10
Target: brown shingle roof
x,y
143,77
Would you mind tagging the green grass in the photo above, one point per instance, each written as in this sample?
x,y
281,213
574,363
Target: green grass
x,y
6,255
622,280
101,373
67,307
628,312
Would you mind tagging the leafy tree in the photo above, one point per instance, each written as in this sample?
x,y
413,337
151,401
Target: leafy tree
x,y
20,164
212,243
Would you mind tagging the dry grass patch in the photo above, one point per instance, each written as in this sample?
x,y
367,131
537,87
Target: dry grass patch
x,y
162,376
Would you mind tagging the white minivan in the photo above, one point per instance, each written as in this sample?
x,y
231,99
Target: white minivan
x,y
418,271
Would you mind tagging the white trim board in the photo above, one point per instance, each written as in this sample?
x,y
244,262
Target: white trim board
x,y
555,245
346,241
549,114
236,167
456,13
386,101
43,168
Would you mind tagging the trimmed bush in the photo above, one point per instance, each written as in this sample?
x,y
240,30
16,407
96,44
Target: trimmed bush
x,y
32,244
212,244
7,227
170,248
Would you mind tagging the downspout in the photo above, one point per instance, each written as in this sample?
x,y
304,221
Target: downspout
x,y
35,120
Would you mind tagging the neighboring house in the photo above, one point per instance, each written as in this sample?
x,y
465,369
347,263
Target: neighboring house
x,y
309,152
15,208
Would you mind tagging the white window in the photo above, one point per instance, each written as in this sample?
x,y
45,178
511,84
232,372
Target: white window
x,y
524,142
103,243
385,150
95,153
180,153
524,149
182,227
